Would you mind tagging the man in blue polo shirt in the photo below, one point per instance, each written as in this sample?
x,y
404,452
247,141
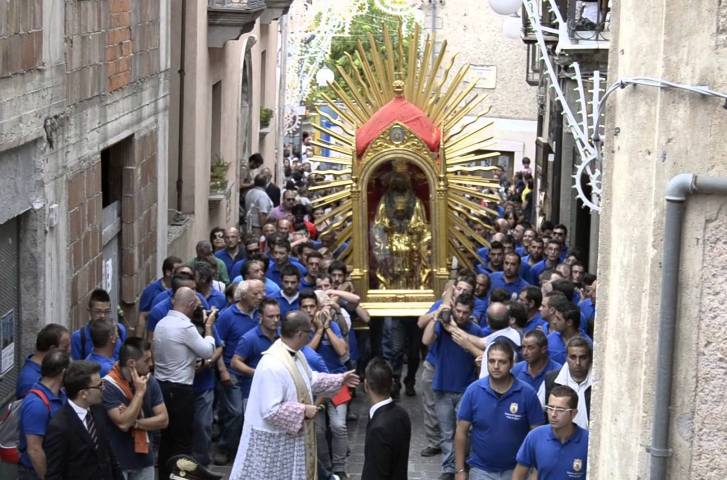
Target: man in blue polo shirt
x,y
99,307
532,298
551,260
251,346
156,287
163,302
565,325
204,274
288,298
536,363
455,370
51,336
280,256
495,258
232,324
509,278
560,233
233,252
494,416
103,335
329,342
558,450
41,402
313,265
535,255
482,298
254,268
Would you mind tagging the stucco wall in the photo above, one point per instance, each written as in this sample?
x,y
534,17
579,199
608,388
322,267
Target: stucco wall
x,y
652,135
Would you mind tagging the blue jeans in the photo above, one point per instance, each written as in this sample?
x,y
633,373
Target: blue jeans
x,y
147,473
445,404
339,435
203,417
230,415
477,474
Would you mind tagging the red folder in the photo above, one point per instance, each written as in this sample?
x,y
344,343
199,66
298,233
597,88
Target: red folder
x,y
343,396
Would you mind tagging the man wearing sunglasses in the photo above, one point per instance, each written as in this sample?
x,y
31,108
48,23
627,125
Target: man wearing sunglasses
x,y
558,450
76,445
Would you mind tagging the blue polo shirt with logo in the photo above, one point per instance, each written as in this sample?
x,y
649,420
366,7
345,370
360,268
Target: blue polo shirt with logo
x,y
204,380
149,294
497,280
325,350
500,423
520,371
231,325
536,323
29,375
555,460
458,368
35,417
285,304
250,349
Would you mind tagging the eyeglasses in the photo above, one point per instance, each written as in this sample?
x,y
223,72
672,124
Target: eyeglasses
x,y
99,311
95,387
558,410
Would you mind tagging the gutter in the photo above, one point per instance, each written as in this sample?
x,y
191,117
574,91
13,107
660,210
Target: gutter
x,y
678,191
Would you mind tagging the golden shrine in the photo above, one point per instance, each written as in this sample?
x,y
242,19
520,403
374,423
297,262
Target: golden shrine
x,y
410,173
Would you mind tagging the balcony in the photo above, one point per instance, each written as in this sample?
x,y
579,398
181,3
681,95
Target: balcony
x,y
230,19
275,9
586,25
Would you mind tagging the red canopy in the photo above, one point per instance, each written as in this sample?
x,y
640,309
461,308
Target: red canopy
x,y
398,110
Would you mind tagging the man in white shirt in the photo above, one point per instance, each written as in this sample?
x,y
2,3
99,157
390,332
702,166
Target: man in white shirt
x,y
177,348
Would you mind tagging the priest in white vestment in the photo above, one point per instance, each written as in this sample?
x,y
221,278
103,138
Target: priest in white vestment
x,y
278,438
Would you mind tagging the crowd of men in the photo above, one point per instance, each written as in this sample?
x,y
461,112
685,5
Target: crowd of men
x,y
505,358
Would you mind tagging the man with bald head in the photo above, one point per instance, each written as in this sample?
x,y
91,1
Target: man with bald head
x,y
177,346
232,253
235,322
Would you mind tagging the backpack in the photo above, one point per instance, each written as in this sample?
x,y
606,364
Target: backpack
x,y
10,428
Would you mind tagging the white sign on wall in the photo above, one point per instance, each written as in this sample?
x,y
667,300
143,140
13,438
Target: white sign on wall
x,y
107,274
7,342
486,75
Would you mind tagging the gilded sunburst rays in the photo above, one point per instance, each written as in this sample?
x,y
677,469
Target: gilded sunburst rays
x,y
436,86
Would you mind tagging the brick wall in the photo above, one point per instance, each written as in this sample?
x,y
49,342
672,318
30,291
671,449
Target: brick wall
x,y
21,35
84,237
85,24
118,45
138,222
145,38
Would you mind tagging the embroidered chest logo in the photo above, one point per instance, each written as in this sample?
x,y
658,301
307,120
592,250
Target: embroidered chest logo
x,y
513,408
577,464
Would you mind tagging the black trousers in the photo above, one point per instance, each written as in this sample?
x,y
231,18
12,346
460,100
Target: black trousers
x,y
176,439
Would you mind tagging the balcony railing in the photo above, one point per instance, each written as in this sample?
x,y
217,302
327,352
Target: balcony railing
x,y
586,24
230,19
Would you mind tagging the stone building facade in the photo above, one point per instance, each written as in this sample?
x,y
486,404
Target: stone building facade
x,y
230,54
654,134
83,124
474,32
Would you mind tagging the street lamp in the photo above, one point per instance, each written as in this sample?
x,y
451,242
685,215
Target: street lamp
x,y
505,7
324,76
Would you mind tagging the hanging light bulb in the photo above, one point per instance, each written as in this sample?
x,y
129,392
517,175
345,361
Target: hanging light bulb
x,y
505,7
324,76
511,27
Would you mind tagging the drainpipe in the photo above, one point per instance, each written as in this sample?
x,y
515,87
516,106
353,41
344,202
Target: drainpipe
x,y
180,137
677,192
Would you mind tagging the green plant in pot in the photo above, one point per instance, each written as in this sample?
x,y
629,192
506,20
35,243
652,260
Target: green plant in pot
x,y
266,115
218,174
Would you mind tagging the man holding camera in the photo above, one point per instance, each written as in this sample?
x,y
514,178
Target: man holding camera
x,y
455,370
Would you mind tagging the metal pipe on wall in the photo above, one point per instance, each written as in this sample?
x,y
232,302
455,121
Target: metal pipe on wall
x,y
677,193
180,137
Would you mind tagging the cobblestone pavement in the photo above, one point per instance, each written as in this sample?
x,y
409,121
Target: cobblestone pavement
x,y
420,468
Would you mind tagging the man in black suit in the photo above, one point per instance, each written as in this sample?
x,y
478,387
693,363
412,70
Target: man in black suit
x,y
386,453
76,446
